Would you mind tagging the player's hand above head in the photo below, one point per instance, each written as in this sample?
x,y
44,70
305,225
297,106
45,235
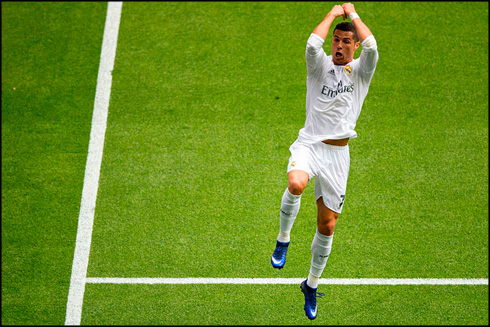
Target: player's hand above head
x,y
337,11
348,8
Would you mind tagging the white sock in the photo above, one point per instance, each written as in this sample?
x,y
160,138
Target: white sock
x,y
290,204
320,250
312,281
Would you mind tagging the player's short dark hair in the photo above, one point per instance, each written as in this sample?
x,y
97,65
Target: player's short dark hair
x,y
347,27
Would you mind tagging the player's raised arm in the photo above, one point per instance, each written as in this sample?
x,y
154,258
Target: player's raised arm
x,y
362,30
322,29
369,55
315,55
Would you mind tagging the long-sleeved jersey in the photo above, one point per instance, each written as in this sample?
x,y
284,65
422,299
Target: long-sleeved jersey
x,y
335,94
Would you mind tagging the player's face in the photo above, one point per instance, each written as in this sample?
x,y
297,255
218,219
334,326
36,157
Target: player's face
x,y
343,47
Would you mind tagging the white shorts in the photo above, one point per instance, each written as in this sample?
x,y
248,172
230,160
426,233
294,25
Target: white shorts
x,y
329,164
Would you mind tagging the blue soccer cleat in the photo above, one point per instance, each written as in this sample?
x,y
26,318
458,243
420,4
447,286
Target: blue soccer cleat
x,y
278,258
311,294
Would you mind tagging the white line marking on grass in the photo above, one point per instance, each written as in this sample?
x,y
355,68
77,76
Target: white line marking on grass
x,y
287,281
92,169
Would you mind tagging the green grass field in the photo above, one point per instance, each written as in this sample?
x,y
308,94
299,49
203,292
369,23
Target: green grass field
x,y
206,100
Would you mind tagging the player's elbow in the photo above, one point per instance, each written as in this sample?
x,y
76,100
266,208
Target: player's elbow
x,y
369,43
312,50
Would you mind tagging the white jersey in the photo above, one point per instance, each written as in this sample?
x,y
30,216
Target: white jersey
x,y
334,94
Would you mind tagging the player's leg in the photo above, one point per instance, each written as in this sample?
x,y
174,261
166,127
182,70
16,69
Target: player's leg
x,y
320,251
299,174
290,204
330,187
291,201
322,241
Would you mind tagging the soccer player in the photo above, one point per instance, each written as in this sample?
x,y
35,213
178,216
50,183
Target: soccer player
x,y
336,87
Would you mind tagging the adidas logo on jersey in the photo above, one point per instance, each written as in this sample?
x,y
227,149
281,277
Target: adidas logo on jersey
x,y
332,72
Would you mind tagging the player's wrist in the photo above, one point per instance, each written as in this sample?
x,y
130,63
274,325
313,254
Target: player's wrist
x,y
331,15
353,15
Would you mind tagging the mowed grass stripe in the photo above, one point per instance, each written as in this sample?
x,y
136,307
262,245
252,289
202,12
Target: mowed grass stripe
x,y
50,60
289,281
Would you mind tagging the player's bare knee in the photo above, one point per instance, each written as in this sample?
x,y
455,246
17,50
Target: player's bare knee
x,y
296,186
326,227
326,223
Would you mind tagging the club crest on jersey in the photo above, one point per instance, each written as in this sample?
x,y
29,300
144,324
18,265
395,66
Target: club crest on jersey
x,y
347,69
